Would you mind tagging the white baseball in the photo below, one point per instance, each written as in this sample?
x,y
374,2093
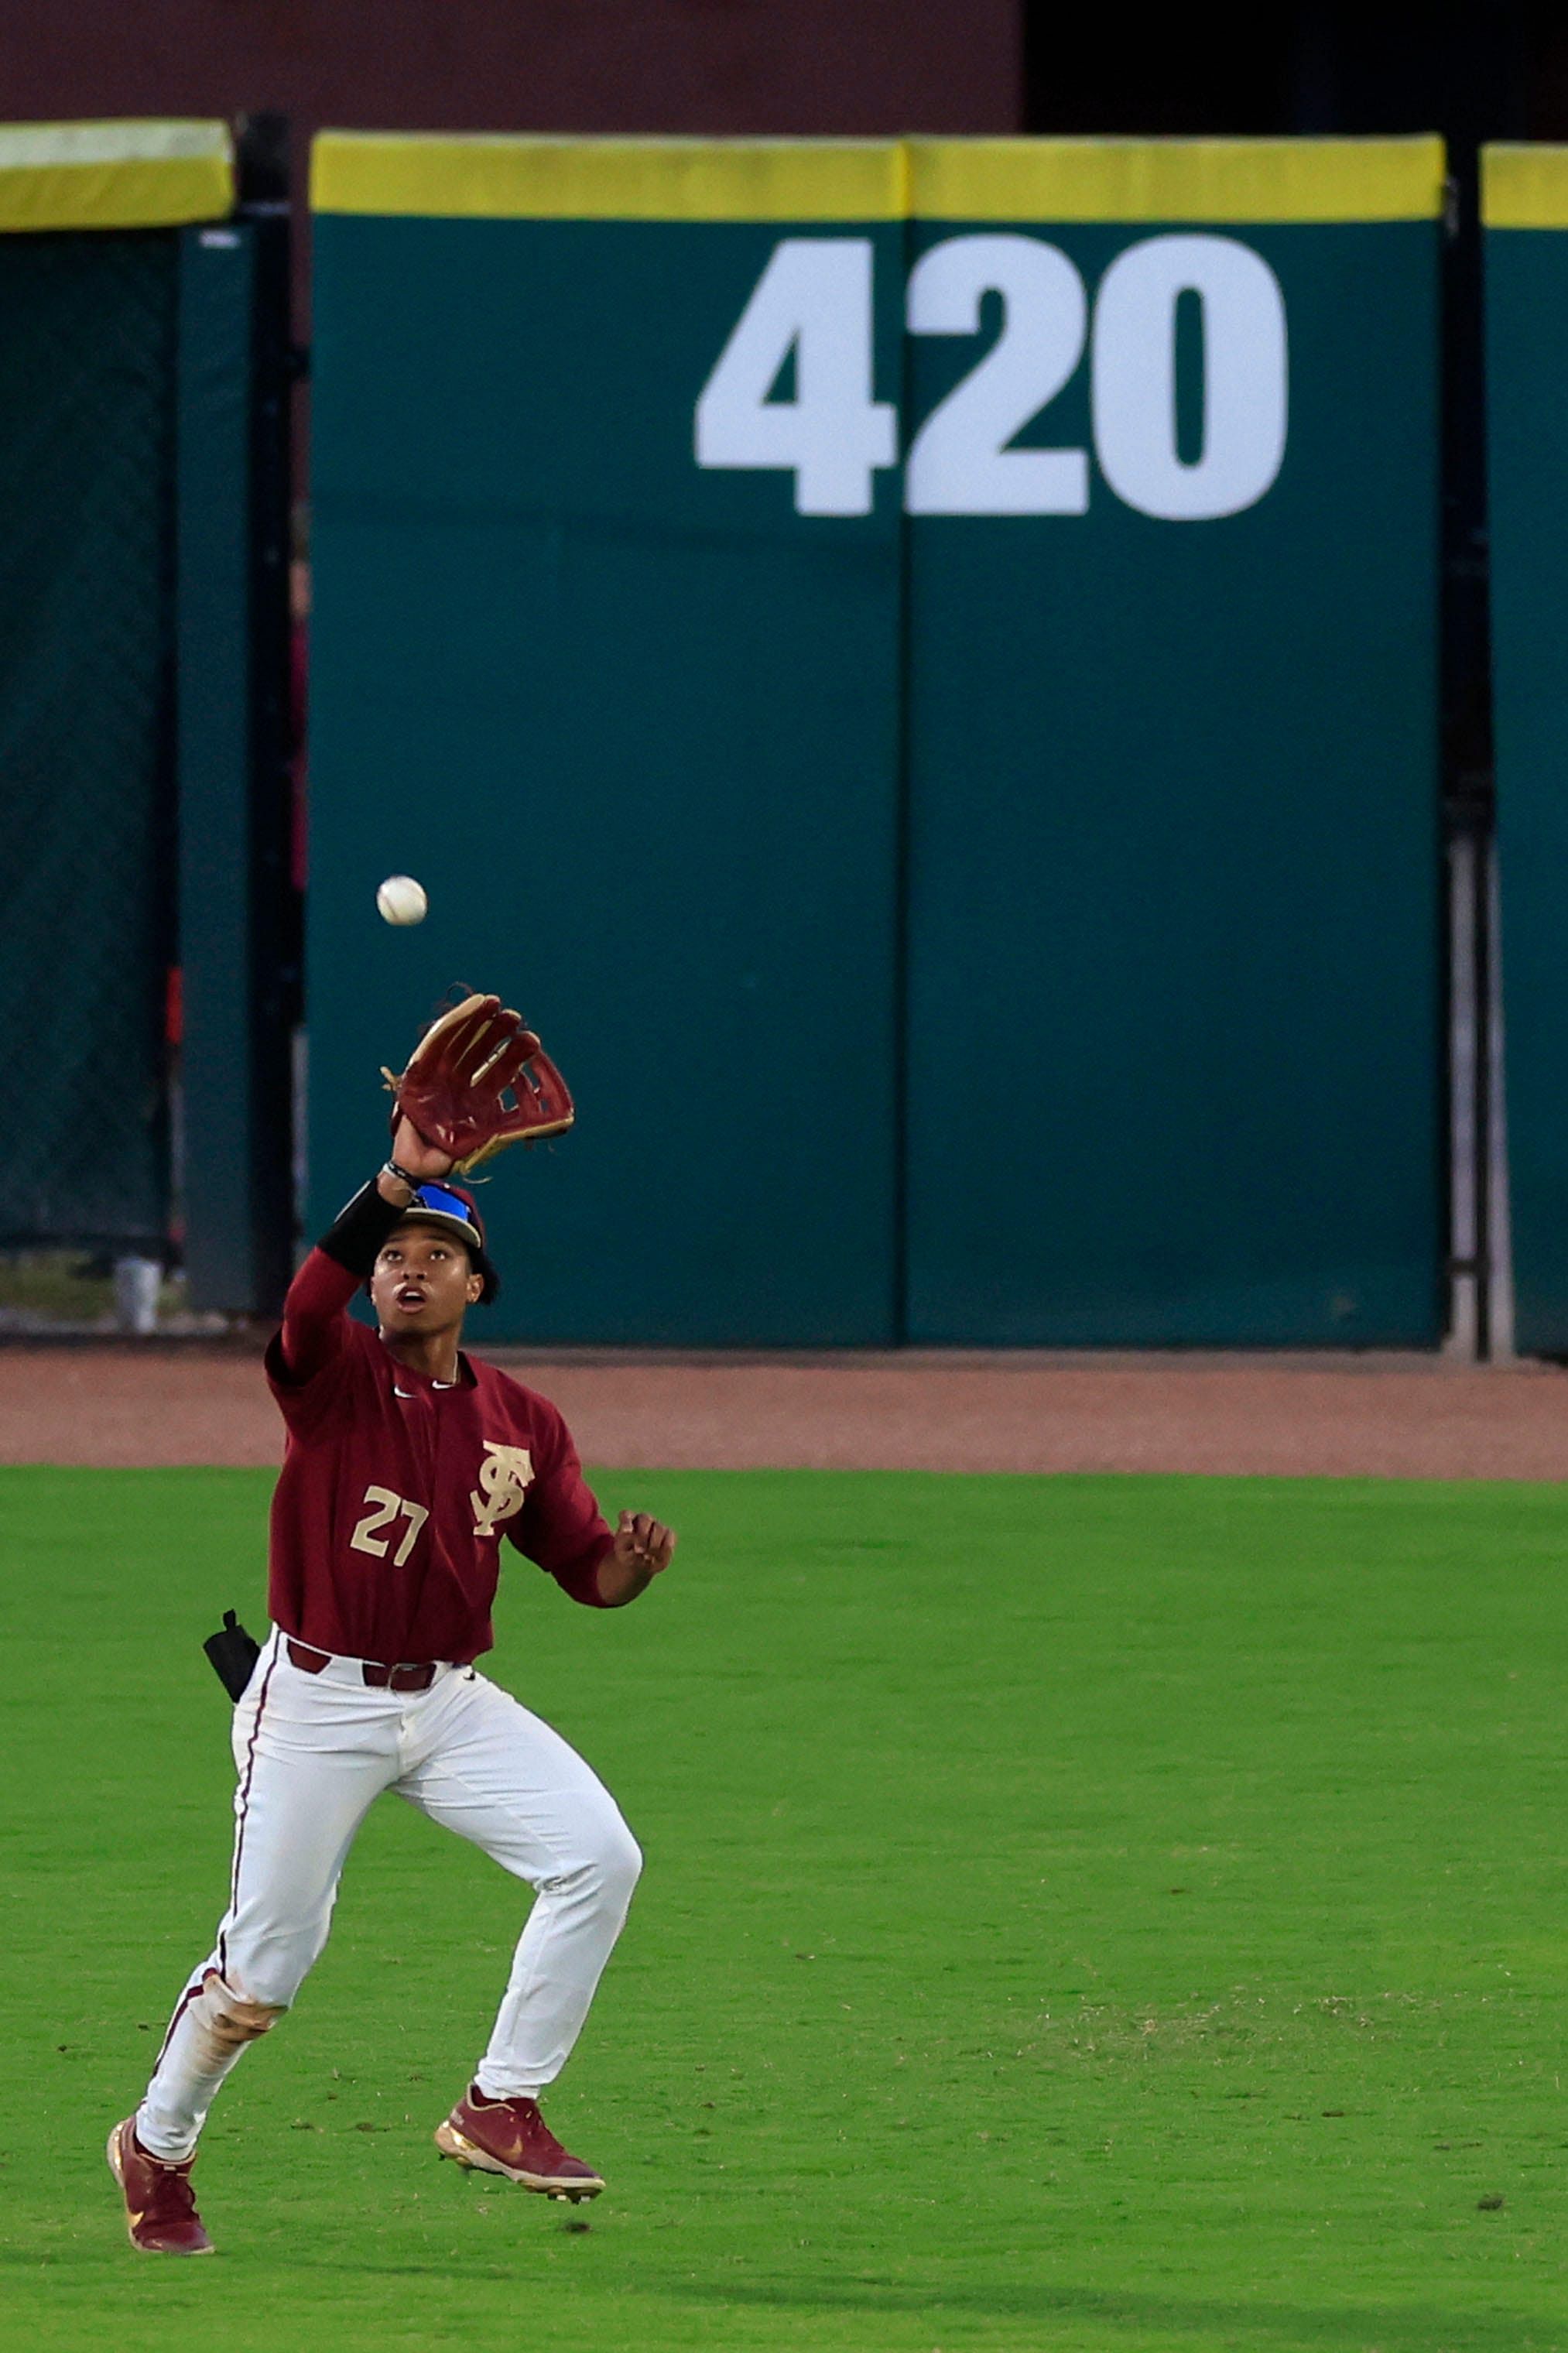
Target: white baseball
x,y
401,899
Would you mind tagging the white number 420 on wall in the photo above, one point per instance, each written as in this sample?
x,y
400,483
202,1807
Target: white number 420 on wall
x,y
812,304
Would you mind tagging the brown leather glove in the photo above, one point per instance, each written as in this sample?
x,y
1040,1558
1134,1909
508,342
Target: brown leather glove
x,y
478,1080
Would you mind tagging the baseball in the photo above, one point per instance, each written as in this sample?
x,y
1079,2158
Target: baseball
x,y
401,899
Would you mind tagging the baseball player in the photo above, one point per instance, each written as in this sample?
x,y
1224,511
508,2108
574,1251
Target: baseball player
x,y
407,1462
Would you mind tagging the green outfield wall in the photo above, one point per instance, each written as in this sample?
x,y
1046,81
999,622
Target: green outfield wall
x,y
916,666
1525,217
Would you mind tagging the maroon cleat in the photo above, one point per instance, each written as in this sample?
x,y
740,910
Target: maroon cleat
x,y
160,2211
510,2137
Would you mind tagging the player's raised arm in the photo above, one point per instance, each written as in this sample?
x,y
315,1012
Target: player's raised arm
x,y
477,1082
341,1261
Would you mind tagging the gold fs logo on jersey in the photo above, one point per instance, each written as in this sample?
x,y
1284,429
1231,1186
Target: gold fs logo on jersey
x,y
505,1477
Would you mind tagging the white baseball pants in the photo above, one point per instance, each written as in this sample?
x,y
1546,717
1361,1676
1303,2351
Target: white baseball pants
x,y
313,1752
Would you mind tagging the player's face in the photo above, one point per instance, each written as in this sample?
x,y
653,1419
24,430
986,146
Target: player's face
x,y
423,1282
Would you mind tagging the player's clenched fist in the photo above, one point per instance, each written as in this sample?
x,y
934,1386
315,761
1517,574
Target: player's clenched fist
x,y
643,1546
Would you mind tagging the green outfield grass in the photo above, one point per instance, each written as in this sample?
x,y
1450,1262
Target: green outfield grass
x,y
1121,1915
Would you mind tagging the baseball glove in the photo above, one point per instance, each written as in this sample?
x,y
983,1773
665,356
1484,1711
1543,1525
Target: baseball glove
x,y
478,1080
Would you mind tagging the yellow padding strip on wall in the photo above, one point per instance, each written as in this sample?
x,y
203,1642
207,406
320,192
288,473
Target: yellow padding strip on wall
x,y
1177,179
59,175
1045,180
495,178
1524,188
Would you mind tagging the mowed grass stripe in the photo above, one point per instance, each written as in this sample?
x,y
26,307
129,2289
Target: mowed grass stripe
x,y
1082,1913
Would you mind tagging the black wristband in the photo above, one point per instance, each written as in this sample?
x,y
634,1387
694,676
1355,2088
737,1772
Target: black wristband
x,y
357,1234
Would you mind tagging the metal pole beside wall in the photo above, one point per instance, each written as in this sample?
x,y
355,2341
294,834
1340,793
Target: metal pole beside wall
x,y
1475,1180
1498,1229
239,978
1466,1308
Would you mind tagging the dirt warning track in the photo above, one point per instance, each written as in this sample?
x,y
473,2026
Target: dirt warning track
x,y
1393,1416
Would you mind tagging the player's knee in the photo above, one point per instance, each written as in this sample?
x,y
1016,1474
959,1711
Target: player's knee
x,y
234,2019
619,1863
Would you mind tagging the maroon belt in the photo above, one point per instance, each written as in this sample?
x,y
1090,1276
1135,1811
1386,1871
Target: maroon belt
x,y
397,1679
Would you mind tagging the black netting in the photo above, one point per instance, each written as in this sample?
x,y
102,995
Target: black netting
x,y
86,406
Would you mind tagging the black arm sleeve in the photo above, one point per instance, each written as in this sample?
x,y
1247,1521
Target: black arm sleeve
x,y
359,1229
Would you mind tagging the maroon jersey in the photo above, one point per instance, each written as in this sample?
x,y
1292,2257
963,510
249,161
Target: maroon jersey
x,y
395,1492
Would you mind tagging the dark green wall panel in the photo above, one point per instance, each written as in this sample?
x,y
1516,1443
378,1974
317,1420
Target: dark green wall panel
x,y
1175,1035
635,726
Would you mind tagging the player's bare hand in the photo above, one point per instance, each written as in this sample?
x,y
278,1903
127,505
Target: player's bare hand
x,y
410,1151
643,1542
642,1548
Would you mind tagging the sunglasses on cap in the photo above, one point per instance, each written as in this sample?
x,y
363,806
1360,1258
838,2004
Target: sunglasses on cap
x,y
437,1202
